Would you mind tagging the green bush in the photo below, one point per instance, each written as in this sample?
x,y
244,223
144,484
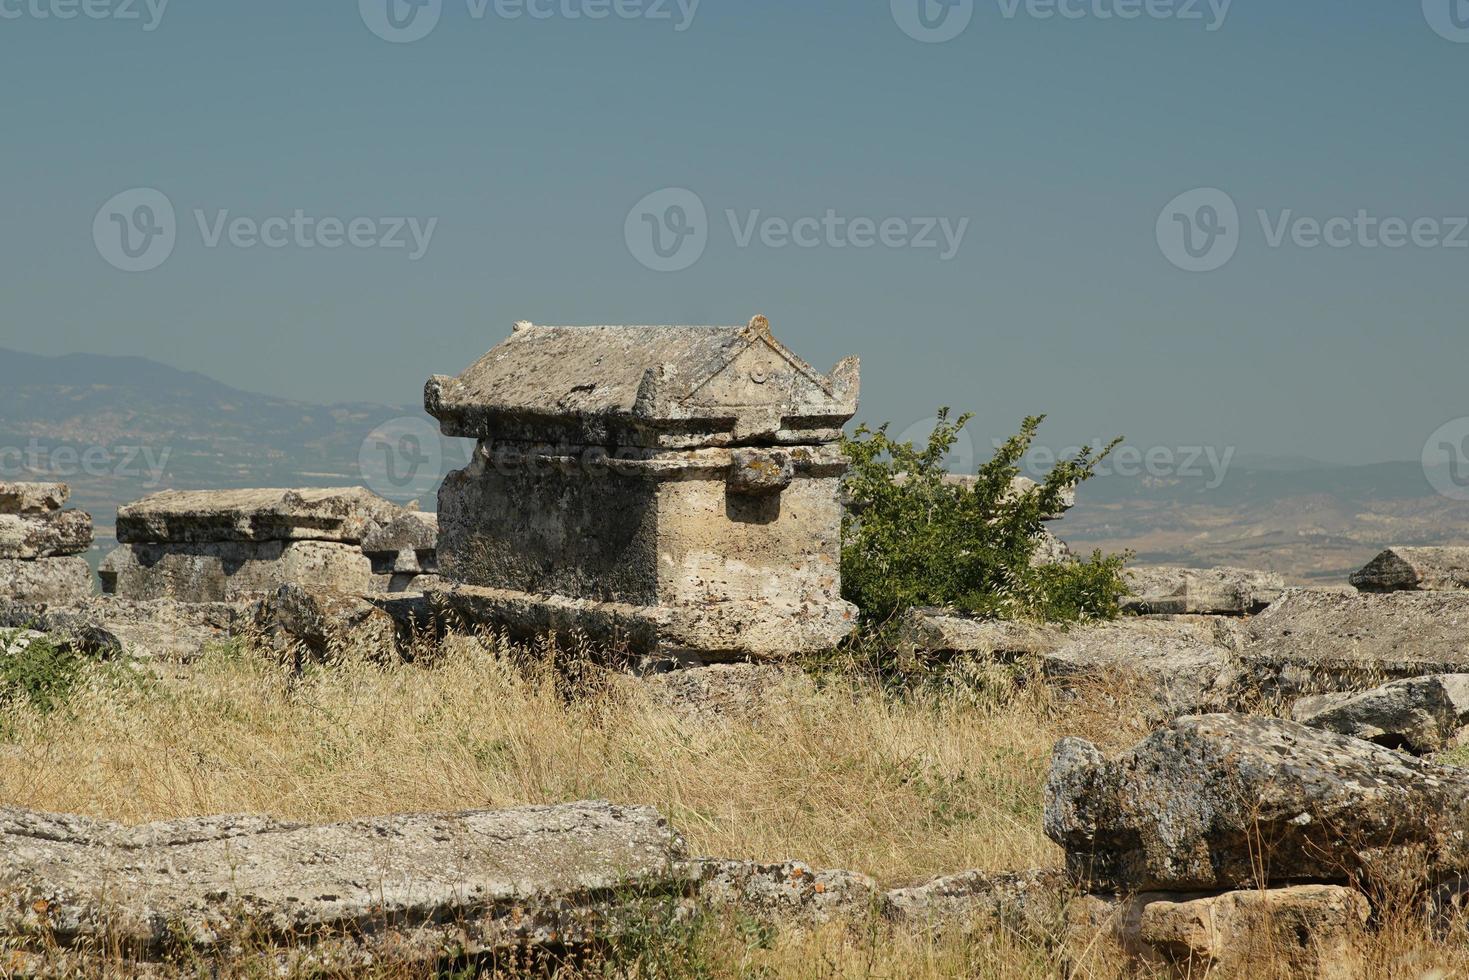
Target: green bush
x,y
42,676
910,538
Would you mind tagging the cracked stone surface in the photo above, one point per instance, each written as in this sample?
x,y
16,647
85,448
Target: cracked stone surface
x,y
1218,802
432,885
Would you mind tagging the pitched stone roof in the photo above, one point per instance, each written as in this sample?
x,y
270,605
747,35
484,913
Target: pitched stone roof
x,y
653,386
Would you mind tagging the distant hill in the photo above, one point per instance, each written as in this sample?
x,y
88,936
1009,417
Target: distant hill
x,y
1314,522
149,427
119,428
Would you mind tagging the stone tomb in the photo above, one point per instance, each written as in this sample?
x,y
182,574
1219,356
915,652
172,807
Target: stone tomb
x,y
41,545
674,488
235,545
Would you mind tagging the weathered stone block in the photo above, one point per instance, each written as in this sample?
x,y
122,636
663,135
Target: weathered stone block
x,y
406,547
32,498
613,492
233,571
49,534
211,516
1420,714
1415,569
1201,591
1180,666
1313,642
1220,802
53,581
312,624
1311,931
163,629
336,898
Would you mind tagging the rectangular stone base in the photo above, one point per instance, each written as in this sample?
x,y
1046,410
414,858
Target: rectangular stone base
x,y
723,631
233,570
53,581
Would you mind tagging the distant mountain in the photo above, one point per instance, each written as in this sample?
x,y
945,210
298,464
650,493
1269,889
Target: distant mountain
x,y
1314,522
119,428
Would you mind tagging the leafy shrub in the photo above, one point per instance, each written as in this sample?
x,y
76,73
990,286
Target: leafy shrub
x,y
40,676
911,538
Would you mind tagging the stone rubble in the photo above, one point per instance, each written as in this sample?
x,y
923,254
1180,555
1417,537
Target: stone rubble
x,y
165,631
790,894
1200,591
317,625
1308,930
32,498
1415,569
1222,836
1313,642
1178,665
1419,714
1189,807
41,545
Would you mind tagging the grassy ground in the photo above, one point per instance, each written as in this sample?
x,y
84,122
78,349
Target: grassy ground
x,y
944,779
899,789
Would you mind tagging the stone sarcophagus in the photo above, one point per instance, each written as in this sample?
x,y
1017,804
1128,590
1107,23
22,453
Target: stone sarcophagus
x,y
672,488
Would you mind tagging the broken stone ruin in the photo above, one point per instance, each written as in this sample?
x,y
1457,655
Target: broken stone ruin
x,y
41,544
674,489
238,545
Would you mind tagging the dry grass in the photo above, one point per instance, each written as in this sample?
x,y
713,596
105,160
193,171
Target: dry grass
x,y
850,778
901,788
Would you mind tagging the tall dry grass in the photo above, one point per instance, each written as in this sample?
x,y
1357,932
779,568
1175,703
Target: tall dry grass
x,y
847,777
900,787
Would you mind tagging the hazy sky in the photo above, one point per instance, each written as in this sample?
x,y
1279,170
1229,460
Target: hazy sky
x,y
1034,152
